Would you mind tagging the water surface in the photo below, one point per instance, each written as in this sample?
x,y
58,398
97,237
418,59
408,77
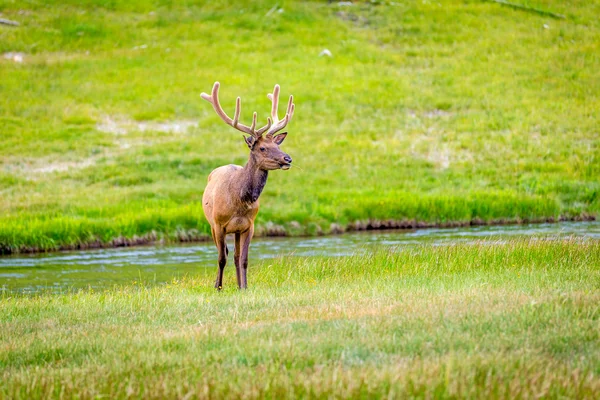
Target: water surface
x,y
107,267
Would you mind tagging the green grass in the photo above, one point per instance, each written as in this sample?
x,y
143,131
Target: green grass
x,y
487,320
427,111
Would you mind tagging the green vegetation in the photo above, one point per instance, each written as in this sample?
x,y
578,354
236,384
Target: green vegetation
x,y
512,320
427,111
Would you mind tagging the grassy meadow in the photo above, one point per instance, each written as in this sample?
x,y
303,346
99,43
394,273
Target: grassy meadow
x,y
433,112
426,113
517,319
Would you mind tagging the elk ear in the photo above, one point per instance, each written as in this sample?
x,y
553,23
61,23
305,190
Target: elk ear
x,y
249,141
279,138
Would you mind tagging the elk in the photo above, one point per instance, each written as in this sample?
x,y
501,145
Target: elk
x,y
230,199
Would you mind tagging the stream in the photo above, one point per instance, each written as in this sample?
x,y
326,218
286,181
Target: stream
x,y
98,269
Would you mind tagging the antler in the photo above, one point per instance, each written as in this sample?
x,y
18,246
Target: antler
x,y
277,123
214,100
274,124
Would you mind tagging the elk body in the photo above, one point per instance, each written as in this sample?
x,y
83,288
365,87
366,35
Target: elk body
x,y
230,200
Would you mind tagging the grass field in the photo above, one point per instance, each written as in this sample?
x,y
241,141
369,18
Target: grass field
x,y
439,112
489,320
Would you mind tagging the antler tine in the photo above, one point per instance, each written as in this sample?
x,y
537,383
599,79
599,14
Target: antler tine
x,y
214,100
238,110
291,107
253,122
280,124
274,120
274,103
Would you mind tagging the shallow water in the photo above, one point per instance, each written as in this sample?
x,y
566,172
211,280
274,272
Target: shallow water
x,y
107,267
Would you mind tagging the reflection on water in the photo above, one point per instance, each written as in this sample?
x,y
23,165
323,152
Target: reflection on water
x,y
106,267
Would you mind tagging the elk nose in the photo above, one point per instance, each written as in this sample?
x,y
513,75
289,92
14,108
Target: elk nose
x,y
287,159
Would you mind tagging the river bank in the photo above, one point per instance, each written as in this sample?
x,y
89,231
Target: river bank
x,y
294,229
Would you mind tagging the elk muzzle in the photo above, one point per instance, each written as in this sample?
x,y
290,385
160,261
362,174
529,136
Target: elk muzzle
x,y
286,162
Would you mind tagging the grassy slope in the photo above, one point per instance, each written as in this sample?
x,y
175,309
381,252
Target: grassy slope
x,y
434,111
513,320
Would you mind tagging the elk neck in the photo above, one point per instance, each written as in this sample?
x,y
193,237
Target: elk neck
x,y
254,180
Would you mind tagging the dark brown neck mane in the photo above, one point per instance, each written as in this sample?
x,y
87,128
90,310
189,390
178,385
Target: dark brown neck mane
x,y
254,182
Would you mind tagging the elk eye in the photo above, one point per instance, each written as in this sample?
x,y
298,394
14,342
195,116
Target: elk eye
x,y
262,149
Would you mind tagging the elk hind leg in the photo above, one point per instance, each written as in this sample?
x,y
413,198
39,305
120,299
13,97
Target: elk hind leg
x,y
246,237
236,260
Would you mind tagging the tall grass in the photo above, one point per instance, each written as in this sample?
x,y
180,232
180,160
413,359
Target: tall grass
x,y
494,320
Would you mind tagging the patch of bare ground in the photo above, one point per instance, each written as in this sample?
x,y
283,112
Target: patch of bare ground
x,y
123,126
33,169
44,58
358,20
430,144
14,56
430,114
440,155
64,166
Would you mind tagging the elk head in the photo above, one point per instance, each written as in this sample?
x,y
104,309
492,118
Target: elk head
x,y
262,142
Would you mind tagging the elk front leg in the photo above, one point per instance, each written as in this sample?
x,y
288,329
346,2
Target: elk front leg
x,y
222,248
246,237
236,259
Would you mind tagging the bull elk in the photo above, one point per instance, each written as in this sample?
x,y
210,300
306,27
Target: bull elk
x,y
230,200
